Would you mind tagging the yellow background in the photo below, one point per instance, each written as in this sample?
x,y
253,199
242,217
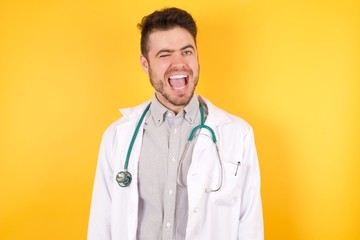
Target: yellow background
x,y
290,68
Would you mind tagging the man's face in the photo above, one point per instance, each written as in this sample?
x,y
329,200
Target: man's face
x,y
172,65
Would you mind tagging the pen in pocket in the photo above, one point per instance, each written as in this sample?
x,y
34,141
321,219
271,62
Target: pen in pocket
x,y
237,167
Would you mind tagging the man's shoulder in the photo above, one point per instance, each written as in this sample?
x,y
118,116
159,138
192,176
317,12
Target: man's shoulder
x,y
237,124
235,119
226,118
127,115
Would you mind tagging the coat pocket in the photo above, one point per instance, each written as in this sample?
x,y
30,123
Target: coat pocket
x,y
229,192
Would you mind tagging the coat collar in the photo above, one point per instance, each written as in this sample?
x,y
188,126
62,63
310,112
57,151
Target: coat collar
x,y
134,112
215,116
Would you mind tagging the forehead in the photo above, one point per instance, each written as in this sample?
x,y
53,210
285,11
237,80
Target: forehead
x,y
174,38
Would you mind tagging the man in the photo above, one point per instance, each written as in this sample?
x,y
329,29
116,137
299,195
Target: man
x,y
175,167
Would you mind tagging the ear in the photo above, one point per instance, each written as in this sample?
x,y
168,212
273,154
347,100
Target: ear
x,y
144,63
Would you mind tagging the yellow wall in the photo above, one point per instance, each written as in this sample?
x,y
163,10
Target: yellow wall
x,y
290,68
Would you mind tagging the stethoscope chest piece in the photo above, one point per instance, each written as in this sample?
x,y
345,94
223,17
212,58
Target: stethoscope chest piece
x,y
123,178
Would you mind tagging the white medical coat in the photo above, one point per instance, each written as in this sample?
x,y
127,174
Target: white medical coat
x,y
232,213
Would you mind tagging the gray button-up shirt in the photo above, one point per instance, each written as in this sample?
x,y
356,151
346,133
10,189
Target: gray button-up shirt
x,y
163,205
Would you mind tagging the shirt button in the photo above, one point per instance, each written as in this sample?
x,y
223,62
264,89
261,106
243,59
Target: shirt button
x,y
196,210
173,159
168,225
171,192
169,114
175,130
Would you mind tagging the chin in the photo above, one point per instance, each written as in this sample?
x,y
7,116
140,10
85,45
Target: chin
x,y
180,100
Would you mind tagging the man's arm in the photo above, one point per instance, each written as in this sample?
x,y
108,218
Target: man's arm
x,y
251,219
100,212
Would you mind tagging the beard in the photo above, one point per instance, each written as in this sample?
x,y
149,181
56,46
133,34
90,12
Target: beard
x,y
178,100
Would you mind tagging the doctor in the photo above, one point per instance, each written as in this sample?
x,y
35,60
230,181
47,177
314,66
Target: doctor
x,y
176,167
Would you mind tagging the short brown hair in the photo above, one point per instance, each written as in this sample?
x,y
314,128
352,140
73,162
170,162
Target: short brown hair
x,y
165,19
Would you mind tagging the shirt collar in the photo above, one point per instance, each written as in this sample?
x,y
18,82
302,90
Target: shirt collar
x,y
158,111
191,109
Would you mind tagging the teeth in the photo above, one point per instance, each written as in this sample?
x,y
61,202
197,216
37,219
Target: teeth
x,y
178,76
179,88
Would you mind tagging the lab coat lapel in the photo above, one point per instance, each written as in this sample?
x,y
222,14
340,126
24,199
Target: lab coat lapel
x,y
126,208
204,158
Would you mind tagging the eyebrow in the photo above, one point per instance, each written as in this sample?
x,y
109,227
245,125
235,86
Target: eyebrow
x,y
170,51
188,46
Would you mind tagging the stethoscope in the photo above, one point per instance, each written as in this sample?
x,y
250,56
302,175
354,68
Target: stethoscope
x,y
124,177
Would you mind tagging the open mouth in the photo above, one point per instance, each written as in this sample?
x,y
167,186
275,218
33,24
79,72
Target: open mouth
x,y
178,82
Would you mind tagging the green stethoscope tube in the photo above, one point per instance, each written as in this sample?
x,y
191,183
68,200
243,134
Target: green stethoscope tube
x,y
124,177
134,137
202,125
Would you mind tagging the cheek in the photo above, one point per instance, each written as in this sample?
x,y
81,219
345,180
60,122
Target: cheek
x,y
159,69
195,67
194,64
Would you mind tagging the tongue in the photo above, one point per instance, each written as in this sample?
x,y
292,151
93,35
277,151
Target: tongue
x,y
177,83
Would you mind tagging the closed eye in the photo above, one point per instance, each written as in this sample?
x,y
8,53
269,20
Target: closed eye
x,y
163,55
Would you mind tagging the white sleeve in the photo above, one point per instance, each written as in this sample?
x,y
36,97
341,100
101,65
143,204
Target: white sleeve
x,y
251,219
100,211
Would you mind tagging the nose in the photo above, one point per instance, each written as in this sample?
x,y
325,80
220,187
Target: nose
x,y
179,61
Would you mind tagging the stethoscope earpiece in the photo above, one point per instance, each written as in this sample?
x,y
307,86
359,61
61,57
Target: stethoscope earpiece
x,y
123,178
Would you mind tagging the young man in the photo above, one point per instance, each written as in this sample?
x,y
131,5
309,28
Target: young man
x,y
176,167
